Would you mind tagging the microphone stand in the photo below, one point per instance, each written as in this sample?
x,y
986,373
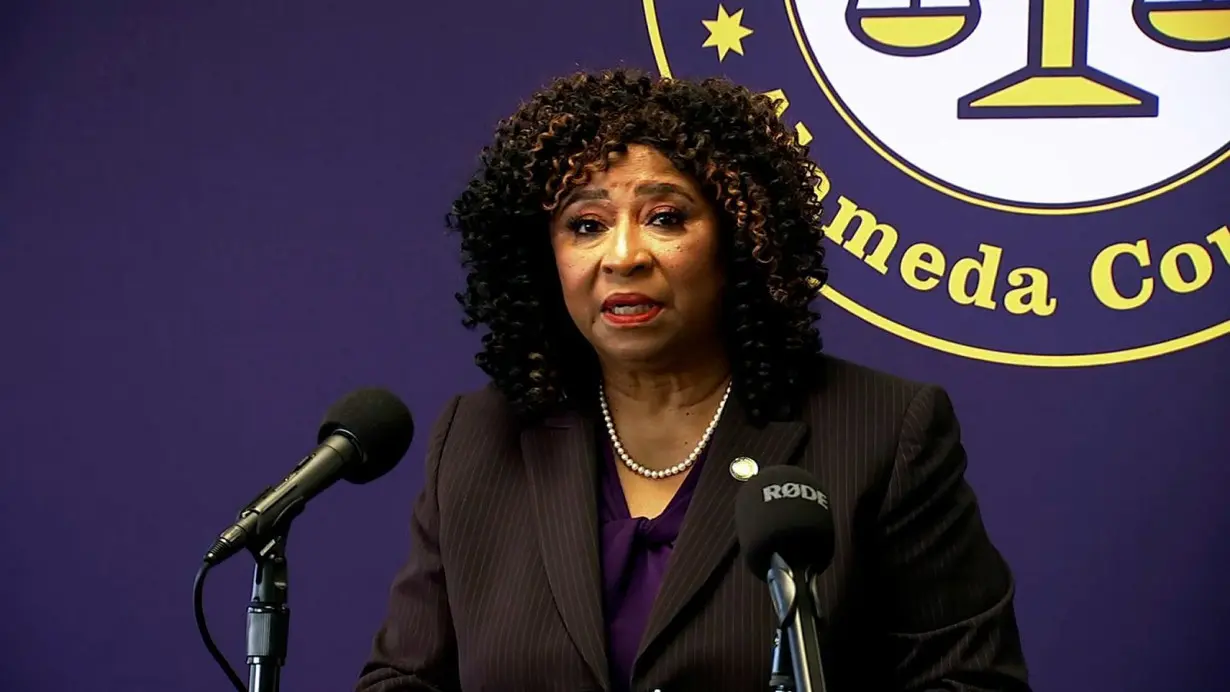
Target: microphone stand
x,y
797,617
268,617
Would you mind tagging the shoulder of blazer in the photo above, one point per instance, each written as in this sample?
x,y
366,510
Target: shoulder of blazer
x,y
485,404
881,405
482,412
877,402
844,380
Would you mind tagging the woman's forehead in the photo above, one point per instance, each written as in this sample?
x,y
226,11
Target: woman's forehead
x,y
641,168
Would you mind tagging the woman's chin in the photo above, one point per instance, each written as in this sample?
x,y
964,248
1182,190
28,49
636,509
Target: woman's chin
x,y
639,348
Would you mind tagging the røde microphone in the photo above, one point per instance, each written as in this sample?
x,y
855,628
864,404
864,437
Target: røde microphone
x,y
364,435
786,534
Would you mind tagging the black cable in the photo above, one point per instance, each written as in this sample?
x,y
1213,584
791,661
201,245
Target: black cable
x,y
198,599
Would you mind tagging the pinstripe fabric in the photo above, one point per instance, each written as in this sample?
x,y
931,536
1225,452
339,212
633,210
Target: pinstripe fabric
x,y
502,587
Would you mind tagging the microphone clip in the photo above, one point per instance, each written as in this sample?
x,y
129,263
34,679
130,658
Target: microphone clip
x,y
268,616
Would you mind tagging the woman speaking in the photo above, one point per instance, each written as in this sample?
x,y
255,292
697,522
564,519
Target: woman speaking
x,y
643,255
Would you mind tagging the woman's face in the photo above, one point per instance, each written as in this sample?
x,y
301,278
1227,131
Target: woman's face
x,y
637,254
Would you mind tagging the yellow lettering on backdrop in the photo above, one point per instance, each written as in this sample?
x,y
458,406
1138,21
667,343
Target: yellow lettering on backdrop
x,y
1221,240
971,281
1172,274
986,271
1184,268
1102,276
1029,293
922,257
822,188
865,226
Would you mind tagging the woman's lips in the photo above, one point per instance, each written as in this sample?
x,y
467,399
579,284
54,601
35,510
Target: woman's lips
x,y
626,309
629,315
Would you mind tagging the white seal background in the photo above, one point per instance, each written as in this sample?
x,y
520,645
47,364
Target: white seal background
x,y
910,105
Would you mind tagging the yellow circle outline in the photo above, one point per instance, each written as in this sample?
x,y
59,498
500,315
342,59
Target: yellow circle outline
x,y
952,347
939,186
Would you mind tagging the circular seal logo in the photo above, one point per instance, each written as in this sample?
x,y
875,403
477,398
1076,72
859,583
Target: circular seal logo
x,y
1031,182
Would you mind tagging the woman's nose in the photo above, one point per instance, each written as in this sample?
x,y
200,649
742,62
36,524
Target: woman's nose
x,y
625,253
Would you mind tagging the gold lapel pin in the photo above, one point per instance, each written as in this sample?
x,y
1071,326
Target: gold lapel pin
x,y
744,468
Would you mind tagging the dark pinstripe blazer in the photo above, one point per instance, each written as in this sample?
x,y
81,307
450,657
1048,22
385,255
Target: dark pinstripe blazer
x,y
502,589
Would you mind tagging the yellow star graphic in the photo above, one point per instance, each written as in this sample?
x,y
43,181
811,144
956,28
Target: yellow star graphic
x,y
726,33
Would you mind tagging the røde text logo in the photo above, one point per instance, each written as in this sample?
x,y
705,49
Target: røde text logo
x,y
792,491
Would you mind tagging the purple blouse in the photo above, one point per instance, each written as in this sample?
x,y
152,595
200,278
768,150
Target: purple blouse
x,y
634,556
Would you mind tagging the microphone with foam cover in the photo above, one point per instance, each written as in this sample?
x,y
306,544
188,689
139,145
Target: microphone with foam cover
x,y
363,436
786,535
783,511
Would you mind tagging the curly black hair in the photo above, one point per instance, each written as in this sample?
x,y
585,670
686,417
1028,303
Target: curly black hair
x,y
745,160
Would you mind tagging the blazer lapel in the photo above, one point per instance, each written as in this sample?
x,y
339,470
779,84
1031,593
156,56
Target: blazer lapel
x,y
562,472
708,531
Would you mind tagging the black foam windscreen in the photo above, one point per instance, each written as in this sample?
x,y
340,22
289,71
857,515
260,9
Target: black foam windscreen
x,y
381,426
784,510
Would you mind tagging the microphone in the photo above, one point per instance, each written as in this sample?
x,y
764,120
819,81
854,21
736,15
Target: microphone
x,y
363,436
786,534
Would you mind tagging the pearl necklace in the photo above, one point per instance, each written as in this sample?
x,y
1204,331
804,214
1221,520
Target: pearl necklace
x,y
677,468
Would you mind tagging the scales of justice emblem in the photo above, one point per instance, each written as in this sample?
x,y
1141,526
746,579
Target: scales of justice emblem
x,y
1054,105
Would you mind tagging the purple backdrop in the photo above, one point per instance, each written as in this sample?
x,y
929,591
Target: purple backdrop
x,y
213,222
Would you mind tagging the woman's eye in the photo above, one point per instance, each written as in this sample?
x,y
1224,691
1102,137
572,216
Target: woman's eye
x,y
584,226
666,218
